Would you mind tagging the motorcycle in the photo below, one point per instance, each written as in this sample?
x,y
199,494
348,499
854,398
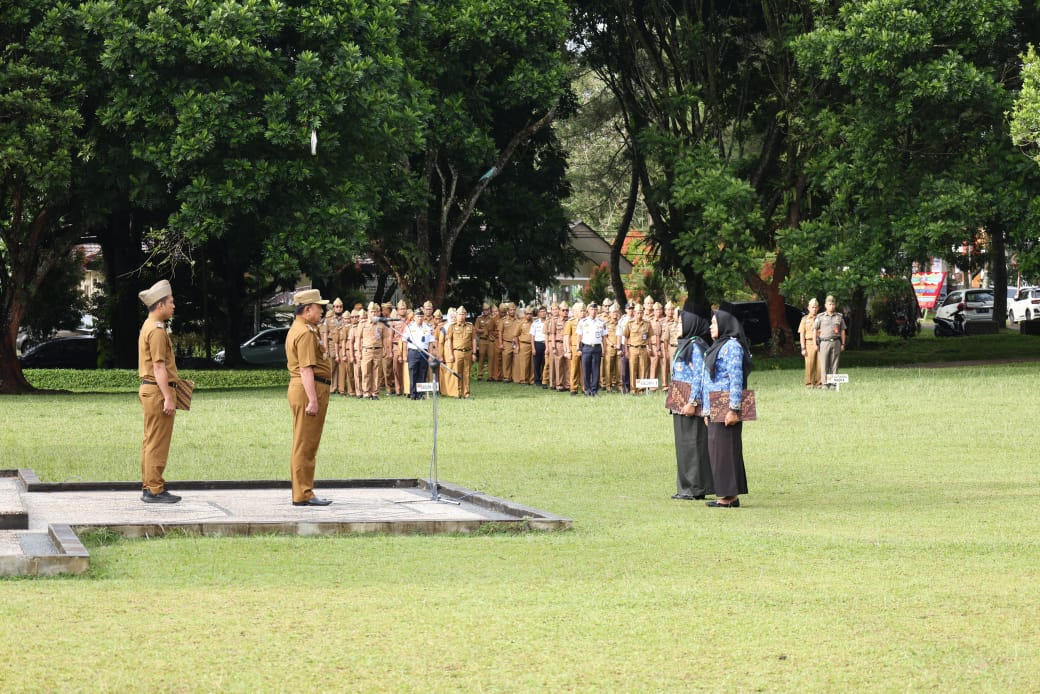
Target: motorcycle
x,y
951,327
906,328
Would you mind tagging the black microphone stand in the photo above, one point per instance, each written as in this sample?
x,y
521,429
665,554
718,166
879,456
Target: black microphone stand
x,y
434,363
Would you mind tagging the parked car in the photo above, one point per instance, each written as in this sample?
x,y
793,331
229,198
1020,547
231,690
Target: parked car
x,y
754,315
77,352
1025,305
266,348
978,304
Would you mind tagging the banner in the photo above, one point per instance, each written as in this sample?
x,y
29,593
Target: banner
x,y
928,286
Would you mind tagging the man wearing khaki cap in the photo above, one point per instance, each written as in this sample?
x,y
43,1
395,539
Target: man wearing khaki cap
x,y
310,376
157,367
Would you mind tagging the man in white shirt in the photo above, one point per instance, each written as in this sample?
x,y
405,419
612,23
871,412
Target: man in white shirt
x,y
538,339
418,336
591,331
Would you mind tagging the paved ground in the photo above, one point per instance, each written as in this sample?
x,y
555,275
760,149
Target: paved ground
x,y
40,520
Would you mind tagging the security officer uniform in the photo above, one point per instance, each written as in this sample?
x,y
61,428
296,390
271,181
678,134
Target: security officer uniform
x,y
830,334
303,350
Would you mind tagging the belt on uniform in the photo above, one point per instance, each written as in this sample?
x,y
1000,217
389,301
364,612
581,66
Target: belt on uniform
x,y
464,350
373,349
829,339
320,379
636,346
146,382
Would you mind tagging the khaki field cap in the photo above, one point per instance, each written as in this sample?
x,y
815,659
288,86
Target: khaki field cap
x,y
402,304
308,296
373,306
428,304
337,302
159,290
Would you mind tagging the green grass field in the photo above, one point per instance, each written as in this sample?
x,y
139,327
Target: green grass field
x,y
891,541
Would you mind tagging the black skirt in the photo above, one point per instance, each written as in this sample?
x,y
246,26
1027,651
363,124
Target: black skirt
x,y
726,453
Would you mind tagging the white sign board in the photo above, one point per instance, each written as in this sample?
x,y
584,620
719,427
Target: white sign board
x,y
646,383
424,387
837,378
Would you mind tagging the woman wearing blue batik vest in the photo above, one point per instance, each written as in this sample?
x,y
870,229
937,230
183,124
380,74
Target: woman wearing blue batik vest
x,y
727,364
693,478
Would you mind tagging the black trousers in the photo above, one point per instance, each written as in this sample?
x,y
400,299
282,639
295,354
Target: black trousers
x,y
416,371
623,358
591,356
539,361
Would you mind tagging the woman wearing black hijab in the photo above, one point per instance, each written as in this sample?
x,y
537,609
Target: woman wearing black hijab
x,y
726,367
693,479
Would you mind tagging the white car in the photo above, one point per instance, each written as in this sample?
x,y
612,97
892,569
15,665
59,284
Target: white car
x,y
1025,305
977,304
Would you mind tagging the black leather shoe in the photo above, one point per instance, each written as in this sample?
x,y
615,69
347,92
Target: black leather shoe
x,y
163,497
718,504
683,497
313,501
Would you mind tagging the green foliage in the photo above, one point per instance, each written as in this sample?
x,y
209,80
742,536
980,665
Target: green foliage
x,y
893,300
598,287
127,381
1025,116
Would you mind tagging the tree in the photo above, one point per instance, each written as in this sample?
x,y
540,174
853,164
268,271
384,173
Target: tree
x,y
714,111
495,80
40,95
218,102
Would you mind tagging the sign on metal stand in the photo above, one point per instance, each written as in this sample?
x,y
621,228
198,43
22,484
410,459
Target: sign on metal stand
x,y
837,379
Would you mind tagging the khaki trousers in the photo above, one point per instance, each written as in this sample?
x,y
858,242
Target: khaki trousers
x,y
507,362
523,365
463,365
306,437
812,364
638,365
484,358
158,431
370,363
575,366
611,378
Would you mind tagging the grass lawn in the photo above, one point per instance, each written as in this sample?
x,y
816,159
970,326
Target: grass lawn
x,y
891,541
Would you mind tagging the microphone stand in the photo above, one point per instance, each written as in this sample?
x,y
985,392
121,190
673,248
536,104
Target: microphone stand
x,y
434,363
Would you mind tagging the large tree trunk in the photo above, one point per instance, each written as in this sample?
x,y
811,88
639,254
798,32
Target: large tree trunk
x,y
998,270
857,319
619,238
12,380
120,241
234,291
767,285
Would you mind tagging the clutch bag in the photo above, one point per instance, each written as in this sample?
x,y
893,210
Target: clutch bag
x,y
678,396
719,404
184,390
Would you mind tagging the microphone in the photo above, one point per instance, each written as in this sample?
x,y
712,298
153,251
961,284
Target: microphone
x,y
387,320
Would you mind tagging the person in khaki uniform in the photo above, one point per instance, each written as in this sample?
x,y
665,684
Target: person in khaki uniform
x,y
449,384
638,336
810,352
400,358
360,318
310,375
386,363
482,326
523,364
557,347
494,333
673,329
346,356
157,367
571,351
657,343
333,326
371,353
611,361
461,348
508,344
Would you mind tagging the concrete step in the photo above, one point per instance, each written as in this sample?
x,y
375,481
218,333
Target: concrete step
x,y
13,515
38,553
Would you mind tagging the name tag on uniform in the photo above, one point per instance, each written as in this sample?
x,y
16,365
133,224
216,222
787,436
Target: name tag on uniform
x,y
426,387
646,383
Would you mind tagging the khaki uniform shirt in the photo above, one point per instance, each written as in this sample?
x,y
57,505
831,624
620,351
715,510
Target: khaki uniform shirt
x,y
637,333
303,348
481,325
829,326
461,337
371,337
510,330
153,344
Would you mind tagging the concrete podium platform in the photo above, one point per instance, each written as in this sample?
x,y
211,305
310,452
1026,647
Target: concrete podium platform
x,y
39,521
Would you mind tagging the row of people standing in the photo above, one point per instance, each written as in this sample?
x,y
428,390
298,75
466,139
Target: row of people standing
x,y
577,348
822,338
713,355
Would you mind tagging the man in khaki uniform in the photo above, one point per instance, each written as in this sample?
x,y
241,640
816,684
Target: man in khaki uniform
x,y
399,348
523,364
637,336
371,353
571,341
309,381
361,317
554,339
157,367
346,355
333,334
494,334
611,380
386,363
482,326
461,349
658,341
508,345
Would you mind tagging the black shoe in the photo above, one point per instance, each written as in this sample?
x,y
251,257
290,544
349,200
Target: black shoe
x,y
683,497
699,497
163,497
718,504
313,501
